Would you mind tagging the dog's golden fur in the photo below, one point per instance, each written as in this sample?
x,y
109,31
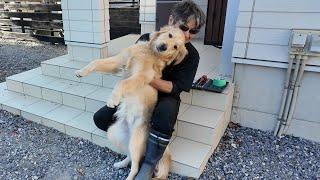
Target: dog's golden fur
x,y
142,63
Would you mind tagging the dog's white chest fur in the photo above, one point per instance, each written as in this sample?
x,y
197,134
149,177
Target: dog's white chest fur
x,y
136,108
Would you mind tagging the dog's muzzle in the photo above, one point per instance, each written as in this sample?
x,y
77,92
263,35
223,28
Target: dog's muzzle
x,y
162,47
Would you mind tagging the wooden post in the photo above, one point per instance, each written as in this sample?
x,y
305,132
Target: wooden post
x,y
22,26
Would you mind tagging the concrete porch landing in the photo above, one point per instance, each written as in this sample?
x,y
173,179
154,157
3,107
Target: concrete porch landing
x,y
51,95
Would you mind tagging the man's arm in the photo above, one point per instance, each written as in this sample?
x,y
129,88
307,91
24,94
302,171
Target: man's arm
x,y
162,85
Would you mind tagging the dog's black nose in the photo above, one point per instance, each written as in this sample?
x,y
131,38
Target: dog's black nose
x,y
162,47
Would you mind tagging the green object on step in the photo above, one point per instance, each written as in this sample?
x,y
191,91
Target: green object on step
x,y
219,83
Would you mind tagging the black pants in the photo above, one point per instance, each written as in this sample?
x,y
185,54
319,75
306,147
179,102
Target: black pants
x,y
162,121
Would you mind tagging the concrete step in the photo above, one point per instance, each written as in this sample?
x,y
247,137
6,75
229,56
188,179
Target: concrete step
x,y
75,94
91,98
201,124
62,67
79,123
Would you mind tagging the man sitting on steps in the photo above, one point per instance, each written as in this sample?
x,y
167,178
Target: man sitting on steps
x,y
175,78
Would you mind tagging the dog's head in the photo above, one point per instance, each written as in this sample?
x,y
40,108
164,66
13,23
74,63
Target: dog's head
x,y
169,44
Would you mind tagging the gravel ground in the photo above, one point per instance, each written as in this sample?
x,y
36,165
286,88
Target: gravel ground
x,y
19,56
32,151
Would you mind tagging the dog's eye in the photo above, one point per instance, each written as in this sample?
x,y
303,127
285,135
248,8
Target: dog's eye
x,y
175,47
170,35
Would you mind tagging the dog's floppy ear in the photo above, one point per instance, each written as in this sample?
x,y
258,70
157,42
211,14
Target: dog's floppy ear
x,y
155,34
181,55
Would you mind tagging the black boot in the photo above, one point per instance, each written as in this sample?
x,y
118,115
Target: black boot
x,y
156,145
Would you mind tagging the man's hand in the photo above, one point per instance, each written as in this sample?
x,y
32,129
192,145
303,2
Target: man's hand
x,y
162,85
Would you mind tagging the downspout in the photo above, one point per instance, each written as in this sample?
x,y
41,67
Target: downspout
x,y
284,118
289,100
303,43
285,93
295,94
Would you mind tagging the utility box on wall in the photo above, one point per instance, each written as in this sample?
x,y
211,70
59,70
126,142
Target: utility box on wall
x,y
163,9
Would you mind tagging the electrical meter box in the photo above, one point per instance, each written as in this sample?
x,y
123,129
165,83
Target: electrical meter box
x,y
305,42
299,40
315,43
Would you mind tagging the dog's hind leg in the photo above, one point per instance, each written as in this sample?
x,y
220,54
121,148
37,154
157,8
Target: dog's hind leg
x,y
136,149
164,165
119,136
122,164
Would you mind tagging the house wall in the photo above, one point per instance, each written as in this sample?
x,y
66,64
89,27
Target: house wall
x,y
261,55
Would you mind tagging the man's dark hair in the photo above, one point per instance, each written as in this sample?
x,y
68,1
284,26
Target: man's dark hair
x,y
186,11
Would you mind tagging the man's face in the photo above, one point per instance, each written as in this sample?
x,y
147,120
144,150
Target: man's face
x,y
187,28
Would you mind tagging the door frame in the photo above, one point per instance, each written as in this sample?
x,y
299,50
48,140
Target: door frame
x,y
215,21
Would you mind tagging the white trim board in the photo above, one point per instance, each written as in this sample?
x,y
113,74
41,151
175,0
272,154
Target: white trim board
x,y
271,64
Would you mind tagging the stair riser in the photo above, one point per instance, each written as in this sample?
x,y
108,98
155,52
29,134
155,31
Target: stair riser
x,y
87,104
199,133
206,99
15,86
209,100
13,110
185,170
100,79
229,106
86,54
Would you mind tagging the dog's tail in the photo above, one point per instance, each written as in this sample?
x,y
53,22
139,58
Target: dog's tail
x,y
164,165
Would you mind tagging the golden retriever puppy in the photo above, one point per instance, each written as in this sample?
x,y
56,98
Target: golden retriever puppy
x,y
141,63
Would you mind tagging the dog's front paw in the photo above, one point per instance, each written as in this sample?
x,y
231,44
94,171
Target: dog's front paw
x,y
111,103
114,100
80,73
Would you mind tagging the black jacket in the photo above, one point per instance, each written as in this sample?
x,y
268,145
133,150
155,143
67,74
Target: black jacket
x,y
182,74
